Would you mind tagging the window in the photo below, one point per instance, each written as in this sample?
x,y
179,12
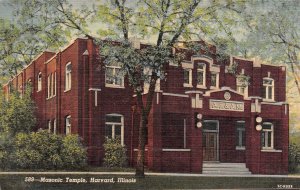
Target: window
x,y
49,126
267,136
210,126
242,86
54,84
54,126
49,86
268,89
39,88
214,80
187,78
114,76
240,135
68,125
114,126
201,75
68,77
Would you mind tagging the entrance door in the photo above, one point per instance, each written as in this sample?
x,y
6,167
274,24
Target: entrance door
x,y
210,141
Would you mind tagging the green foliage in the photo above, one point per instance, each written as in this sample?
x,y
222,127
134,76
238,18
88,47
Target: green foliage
x,y
43,150
294,157
17,114
73,153
38,150
115,153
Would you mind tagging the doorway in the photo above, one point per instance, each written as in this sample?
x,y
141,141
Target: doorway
x,y
210,140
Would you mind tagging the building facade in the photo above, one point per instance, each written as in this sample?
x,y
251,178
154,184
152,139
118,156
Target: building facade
x,y
201,113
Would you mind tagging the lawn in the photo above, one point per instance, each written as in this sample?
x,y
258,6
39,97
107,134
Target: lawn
x,y
16,182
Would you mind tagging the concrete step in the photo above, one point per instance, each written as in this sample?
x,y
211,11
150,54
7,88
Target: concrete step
x,y
226,173
225,169
224,165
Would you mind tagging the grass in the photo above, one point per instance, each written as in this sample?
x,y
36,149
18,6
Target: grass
x,y
16,182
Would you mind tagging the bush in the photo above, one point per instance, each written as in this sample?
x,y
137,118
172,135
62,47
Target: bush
x,y
73,153
43,150
115,153
294,157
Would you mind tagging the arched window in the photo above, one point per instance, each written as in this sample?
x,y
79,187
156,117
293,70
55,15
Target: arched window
x,y
242,85
201,75
39,79
268,89
114,126
68,77
68,125
49,86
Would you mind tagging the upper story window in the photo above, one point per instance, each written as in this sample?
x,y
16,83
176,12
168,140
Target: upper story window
x,y
54,84
268,89
39,79
49,86
242,86
68,125
214,80
114,126
240,135
68,78
113,76
267,136
201,75
187,77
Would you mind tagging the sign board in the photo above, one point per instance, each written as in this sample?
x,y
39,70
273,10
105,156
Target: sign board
x,y
226,105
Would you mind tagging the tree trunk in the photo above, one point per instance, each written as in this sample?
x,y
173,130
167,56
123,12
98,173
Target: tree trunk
x,y
145,111
141,149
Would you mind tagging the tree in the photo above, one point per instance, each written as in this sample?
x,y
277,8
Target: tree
x,y
17,113
36,26
272,34
164,21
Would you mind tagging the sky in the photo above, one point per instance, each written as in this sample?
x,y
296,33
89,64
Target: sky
x,y
6,11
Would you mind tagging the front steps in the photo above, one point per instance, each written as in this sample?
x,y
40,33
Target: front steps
x,y
216,168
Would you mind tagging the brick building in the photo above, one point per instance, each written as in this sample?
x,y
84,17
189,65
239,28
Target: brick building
x,y
201,112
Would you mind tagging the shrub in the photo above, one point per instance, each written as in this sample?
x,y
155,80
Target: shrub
x,y
294,157
115,153
73,153
43,150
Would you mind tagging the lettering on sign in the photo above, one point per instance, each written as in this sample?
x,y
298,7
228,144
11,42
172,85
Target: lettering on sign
x,y
226,105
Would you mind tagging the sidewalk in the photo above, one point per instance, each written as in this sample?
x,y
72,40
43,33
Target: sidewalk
x,y
149,174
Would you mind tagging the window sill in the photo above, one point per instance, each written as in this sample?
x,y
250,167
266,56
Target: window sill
x,y
270,150
114,86
176,150
50,97
214,87
201,86
67,90
146,149
187,85
268,100
240,148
